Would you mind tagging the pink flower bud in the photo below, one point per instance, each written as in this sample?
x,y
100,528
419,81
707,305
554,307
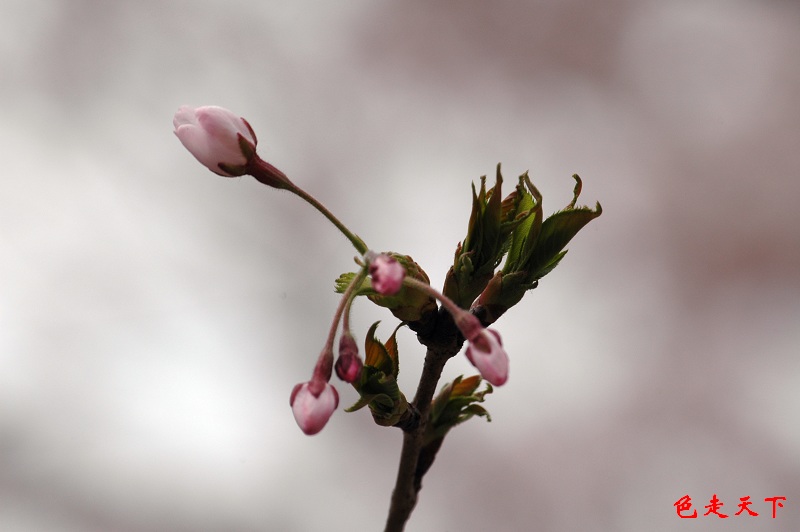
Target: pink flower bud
x,y
217,138
348,365
313,410
387,274
486,353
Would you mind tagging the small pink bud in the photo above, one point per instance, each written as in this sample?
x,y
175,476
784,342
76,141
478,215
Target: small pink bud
x,y
387,275
312,411
217,138
486,353
348,365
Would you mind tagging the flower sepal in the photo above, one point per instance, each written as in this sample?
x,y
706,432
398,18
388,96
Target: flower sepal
x,y
225,144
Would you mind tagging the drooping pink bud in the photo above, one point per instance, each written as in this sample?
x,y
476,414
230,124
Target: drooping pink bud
x,y
348,365
486,353
313,410
220,140
387,274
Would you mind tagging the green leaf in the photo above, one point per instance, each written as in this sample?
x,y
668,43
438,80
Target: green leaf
x,y
477,410
523,239
440,401
375,353
343,282
391,350
363,401
466,386
557,230
382,402
547,268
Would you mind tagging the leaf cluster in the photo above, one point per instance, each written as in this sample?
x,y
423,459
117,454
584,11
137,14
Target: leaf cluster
x,y
377,385
492,221
536,248
456,403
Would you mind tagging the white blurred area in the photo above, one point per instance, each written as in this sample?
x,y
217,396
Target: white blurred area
x,y
154,316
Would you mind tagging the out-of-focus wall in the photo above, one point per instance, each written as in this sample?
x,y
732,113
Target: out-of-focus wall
x,y
154,316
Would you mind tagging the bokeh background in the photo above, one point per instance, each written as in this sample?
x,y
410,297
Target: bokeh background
x,y
154,317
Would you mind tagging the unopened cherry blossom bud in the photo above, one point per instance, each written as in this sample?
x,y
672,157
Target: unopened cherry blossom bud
x,y
486,353
222,141
348,365
313,404
387,274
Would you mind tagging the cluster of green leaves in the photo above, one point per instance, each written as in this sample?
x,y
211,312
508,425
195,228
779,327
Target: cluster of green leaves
x,y
514,228
456,403
491,224
536,247
377,385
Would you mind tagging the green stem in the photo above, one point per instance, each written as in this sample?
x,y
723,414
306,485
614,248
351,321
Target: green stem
x,y
269,175
359,244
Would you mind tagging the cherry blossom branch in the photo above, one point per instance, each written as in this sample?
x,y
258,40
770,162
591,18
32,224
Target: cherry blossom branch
x,y
511,230
409,473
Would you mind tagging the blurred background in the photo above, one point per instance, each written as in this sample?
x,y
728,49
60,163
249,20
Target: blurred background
x,y
154,317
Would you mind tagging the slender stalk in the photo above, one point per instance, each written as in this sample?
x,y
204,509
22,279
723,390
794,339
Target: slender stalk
x,y
344,308
324,366
359,244
446,302
269,175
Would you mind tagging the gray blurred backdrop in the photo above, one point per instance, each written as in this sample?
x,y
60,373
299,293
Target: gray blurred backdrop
x,y
154,316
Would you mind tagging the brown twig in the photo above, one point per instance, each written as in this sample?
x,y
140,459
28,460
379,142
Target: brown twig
x,y
443,342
